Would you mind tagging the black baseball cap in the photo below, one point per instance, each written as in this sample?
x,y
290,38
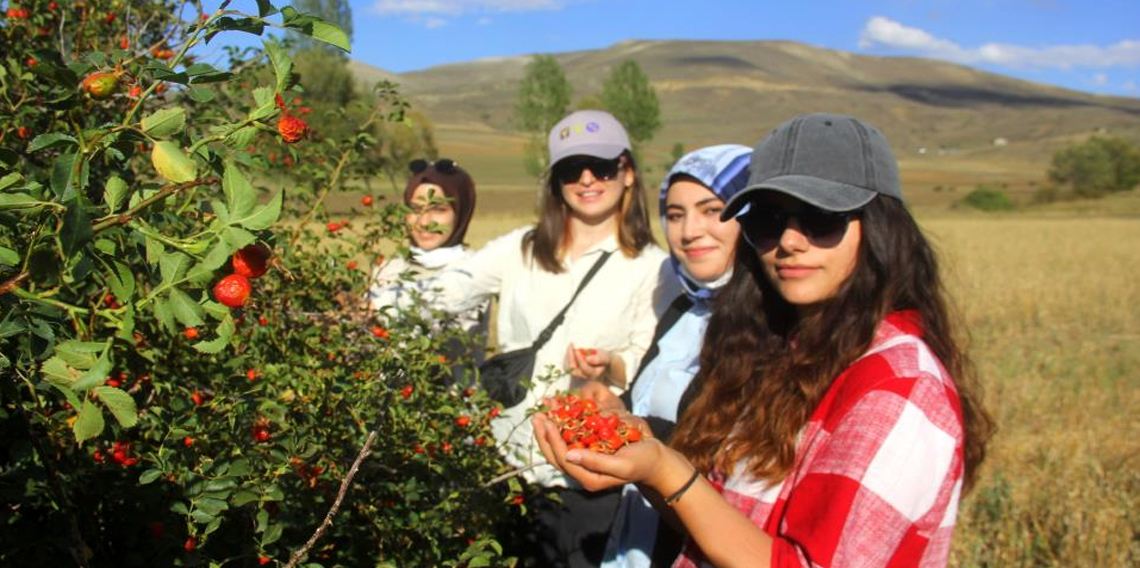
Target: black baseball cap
x,y
834,162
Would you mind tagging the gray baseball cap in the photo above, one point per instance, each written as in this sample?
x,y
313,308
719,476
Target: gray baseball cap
x,y
834,162
589,133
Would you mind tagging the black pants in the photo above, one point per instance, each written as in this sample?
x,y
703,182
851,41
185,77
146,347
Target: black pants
x,y
573,533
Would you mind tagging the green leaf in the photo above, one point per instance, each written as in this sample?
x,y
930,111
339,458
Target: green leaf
x,y
173,266
121,405
51,140
264,216
201,94
241,198
77,230
265,8
121,282
211,506
171,163
149,476
96,374
114,193
18,201
165,122
237,238
272,534
9,257
212,262
243,498
242,137
10,180
58,373
238,468
163,314
282,63
80,354
186,310
201,517
315,27
216,345
63,176
90,422
263,98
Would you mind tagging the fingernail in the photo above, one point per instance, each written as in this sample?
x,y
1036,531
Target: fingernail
x,y
574,456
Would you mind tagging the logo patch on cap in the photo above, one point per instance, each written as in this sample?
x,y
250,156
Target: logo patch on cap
x,y
593,127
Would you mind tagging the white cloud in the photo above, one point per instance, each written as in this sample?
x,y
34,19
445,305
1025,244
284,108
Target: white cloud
x,y
881,32
433,23
1100,79
1129,86
457,7
485,21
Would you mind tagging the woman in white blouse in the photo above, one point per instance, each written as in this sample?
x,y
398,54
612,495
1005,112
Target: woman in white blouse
x,y
440,197
593,202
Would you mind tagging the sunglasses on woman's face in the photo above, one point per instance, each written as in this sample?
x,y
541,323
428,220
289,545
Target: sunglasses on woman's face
x,y
763,225
570,170
442,165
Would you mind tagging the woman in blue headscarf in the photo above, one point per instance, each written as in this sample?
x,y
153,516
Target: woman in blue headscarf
x,y
703,248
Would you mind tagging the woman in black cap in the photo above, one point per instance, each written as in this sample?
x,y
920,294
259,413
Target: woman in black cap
x,y
838,420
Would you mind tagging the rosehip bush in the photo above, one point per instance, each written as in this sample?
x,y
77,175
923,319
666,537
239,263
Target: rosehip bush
x,y
188,368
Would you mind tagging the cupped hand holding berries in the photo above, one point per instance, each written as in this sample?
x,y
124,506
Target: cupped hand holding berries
x,y
603,396
648,462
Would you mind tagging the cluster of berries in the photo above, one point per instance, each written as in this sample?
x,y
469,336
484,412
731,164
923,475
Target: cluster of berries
x,y
17,14
250,262
583,426
120,454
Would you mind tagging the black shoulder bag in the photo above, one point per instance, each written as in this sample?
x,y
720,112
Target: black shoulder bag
x,y
502,376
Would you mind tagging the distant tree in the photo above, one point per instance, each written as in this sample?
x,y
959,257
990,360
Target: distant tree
x,y
629,96
544,95
1097,167
543,99
589,102
329,89
337,12
402,142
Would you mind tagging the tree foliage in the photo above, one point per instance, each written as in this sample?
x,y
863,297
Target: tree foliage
x,y
148,420
543,99
1097,167
335,12
628,95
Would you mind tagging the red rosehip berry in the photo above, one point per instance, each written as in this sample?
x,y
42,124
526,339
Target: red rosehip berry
x,y
197,398
100,85
190,333
31,62
263,321
251,261
379,332
366,201
333,226
263,560
157,530
190,544
494,412
251,374
291,128
463,421
188,441
233,290
406,392
23,132
352,265
124,43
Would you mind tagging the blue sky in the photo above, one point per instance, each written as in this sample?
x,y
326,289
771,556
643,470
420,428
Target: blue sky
x,y
1088,45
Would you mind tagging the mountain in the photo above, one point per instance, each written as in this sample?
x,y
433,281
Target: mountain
x,y
736,91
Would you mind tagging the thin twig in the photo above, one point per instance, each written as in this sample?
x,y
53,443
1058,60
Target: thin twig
x,y
510,474
325,524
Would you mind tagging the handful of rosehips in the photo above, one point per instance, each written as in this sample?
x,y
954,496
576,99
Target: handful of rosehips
x,y
583,426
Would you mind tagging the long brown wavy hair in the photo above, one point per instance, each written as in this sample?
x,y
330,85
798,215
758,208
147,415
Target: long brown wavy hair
x,y
757,389
547,242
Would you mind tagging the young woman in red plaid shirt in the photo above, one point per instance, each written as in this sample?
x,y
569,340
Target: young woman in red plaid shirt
x,y
837,421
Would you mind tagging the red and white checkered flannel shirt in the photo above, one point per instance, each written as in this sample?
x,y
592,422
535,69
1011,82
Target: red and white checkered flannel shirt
x,y
878,467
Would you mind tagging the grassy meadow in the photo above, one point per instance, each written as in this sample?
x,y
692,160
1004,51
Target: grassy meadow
x,y
1050,299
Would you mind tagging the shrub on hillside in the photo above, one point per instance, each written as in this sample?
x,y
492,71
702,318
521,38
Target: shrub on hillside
x,y
1097,167
987,198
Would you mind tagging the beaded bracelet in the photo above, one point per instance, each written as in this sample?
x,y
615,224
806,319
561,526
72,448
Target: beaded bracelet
x,y
677,495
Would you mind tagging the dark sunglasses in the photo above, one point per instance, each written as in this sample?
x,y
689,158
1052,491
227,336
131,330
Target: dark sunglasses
x,y
763,226
570,170
442,165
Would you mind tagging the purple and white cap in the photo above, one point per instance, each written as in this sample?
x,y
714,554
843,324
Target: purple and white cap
x,y
588,133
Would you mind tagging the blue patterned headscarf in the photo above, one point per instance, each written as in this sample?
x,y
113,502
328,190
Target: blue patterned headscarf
x,y
724,170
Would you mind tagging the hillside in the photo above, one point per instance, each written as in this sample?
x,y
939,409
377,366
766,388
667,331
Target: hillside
x,y
717,91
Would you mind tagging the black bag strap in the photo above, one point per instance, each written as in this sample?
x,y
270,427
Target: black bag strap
x,y
558,319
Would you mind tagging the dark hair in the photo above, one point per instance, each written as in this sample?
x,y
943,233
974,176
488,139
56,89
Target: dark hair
x,y
758,389
458,187
547,241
